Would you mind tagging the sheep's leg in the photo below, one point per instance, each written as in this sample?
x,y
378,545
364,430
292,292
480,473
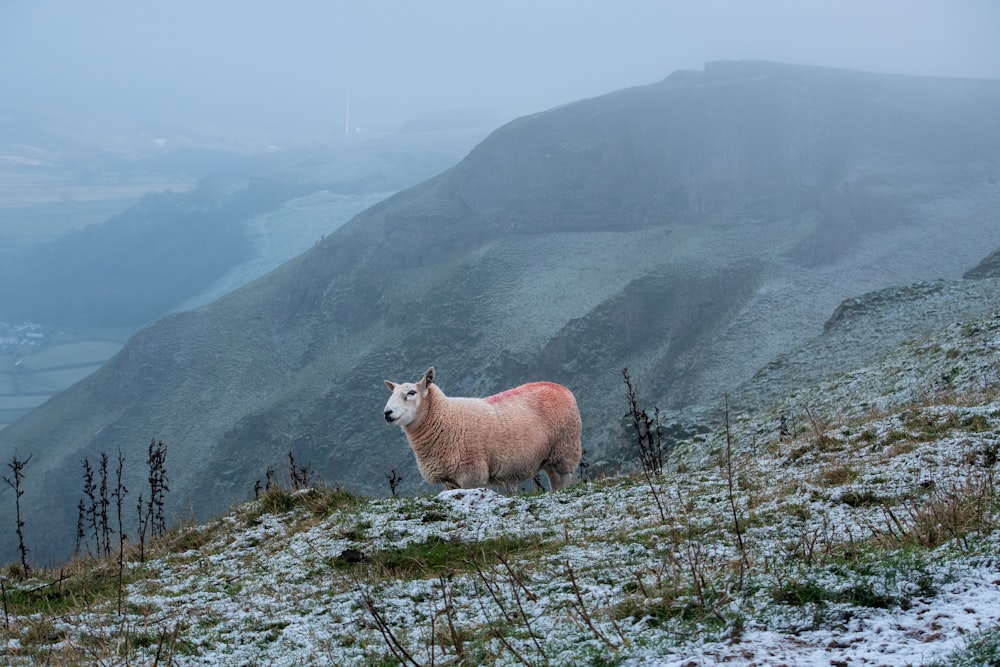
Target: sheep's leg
x,y
557,480
474,478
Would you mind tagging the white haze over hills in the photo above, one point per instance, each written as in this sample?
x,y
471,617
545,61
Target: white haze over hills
x,y
272,74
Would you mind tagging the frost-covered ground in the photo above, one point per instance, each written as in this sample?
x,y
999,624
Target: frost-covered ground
x,y
861,532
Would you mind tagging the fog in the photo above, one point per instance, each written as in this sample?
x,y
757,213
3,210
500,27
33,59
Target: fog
x,y
284,72
143,171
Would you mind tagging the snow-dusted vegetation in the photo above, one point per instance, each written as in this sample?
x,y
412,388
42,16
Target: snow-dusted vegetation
x,y
854,525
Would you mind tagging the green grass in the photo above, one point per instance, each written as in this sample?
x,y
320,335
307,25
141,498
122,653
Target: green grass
x,y
870,577
979,651
82,586
437,556
801,593
318,502
54,201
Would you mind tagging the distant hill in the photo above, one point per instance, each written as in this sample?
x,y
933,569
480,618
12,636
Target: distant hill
x,y
168,247
135,267
693,230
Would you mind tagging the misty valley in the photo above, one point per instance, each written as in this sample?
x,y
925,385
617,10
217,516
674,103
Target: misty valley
x,y
258,309
792,267
91,256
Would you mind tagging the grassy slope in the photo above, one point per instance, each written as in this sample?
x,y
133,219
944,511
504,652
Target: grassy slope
x,y
859,532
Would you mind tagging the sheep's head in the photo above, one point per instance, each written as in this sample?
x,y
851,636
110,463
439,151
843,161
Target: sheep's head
x,y
403,407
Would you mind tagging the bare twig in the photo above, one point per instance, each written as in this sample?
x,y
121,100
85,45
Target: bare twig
x,y
119,494
17,467
456,639
744,562
170,646
299,475
58,582
822,439
648,441
649,435
516,583
382,625
394,481
88,513
490,588
584,614
494,632
6,616
103,502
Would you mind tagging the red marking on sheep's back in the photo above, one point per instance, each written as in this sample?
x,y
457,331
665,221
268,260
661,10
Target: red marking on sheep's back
x,y
543,387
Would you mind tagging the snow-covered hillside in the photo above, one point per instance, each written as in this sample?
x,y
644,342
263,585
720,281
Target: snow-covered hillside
x,y
854,525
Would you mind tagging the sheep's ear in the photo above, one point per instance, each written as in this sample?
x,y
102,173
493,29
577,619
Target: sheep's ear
x,y
390,385
427,380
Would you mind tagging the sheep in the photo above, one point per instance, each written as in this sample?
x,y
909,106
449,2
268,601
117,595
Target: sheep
x,y
502,439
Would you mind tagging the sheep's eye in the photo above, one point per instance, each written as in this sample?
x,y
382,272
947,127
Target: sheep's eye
x,y
412,392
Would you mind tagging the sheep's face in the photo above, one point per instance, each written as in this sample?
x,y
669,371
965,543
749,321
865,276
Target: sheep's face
x,y
403,407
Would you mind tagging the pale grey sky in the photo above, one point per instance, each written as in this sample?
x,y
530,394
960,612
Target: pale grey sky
x,y
285,68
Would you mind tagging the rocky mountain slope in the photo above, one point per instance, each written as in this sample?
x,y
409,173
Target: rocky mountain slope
x,y
692,230
868,327
863,532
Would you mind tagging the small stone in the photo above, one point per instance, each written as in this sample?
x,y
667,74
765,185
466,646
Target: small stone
x,y
352,556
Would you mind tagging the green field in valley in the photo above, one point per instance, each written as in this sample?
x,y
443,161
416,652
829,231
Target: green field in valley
x,y
37,206
41,204
27,381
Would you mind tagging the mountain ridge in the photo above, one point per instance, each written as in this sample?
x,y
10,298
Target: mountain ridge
x,y
692,230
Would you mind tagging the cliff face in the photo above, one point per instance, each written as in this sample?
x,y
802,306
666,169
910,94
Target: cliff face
x,y
692,230
988,268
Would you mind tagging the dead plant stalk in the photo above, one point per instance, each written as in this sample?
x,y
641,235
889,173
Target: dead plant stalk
x,y
744,562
